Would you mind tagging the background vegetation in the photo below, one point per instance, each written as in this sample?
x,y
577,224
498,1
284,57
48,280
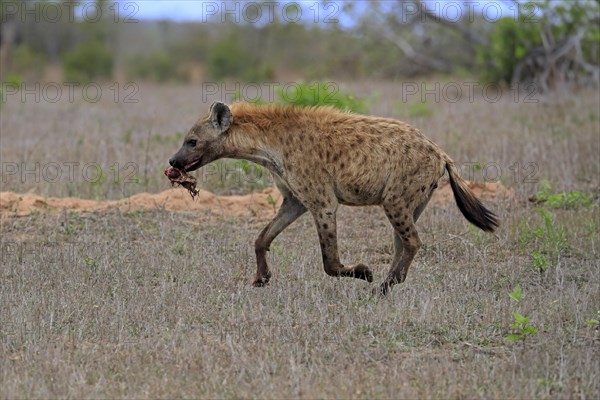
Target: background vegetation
x,y
558,40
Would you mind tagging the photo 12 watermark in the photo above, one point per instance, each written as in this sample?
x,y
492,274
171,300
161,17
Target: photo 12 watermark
x,y
69,171
271,91
466,91
327,92
15,254
69,11
266,12
71,92
461,11
515,173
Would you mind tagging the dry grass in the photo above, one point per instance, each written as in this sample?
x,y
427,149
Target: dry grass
x,y
159,304
137,139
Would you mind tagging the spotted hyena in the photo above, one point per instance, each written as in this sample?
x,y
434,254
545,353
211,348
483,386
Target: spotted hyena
x,y
321,157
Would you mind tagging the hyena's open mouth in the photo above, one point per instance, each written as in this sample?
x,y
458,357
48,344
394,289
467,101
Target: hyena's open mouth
x,y
193,165
177,176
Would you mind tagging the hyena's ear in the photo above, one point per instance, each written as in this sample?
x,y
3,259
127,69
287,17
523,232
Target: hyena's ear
x,y
220,116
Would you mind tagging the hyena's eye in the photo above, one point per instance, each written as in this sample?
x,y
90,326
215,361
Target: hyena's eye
x,y
191,142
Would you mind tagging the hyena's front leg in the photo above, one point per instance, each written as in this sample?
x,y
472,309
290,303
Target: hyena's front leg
x,y
325,220
290,210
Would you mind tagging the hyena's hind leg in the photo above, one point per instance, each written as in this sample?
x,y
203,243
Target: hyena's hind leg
x,y
290,210
325,220
416,214
406,241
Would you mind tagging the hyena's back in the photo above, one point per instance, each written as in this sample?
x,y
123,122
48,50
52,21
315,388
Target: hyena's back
x,y
364,160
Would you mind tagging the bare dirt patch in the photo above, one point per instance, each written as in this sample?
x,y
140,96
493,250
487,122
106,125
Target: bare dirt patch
x,y
254,204
261,204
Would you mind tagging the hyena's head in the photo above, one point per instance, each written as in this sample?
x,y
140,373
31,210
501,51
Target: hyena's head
x,y
202,143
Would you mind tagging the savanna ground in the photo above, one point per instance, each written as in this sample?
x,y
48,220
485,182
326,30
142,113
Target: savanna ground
x,y
151,304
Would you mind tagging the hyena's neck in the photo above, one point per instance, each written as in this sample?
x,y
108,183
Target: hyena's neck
x,y
250,143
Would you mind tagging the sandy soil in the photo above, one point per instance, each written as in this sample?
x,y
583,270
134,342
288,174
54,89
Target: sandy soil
x,y
261,204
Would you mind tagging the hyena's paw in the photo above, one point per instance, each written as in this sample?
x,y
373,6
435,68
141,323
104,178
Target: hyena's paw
x,y
261,281
361,271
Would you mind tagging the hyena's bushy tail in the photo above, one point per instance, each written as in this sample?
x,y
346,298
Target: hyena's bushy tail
x,y
473,210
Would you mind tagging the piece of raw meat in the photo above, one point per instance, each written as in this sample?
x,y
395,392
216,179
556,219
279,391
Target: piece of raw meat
x,y
177,176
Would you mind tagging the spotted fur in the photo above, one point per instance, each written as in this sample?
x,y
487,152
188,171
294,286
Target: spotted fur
x,y
321,157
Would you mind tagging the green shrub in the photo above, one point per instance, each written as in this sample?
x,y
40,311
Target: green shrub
x,y
547,196
509,42
13,79
318,94
520,327
91,60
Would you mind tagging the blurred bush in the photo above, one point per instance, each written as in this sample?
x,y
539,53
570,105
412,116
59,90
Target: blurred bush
x,y
90,60
229,58
379,42
13,79
558,44
158,66
509,43
25,59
